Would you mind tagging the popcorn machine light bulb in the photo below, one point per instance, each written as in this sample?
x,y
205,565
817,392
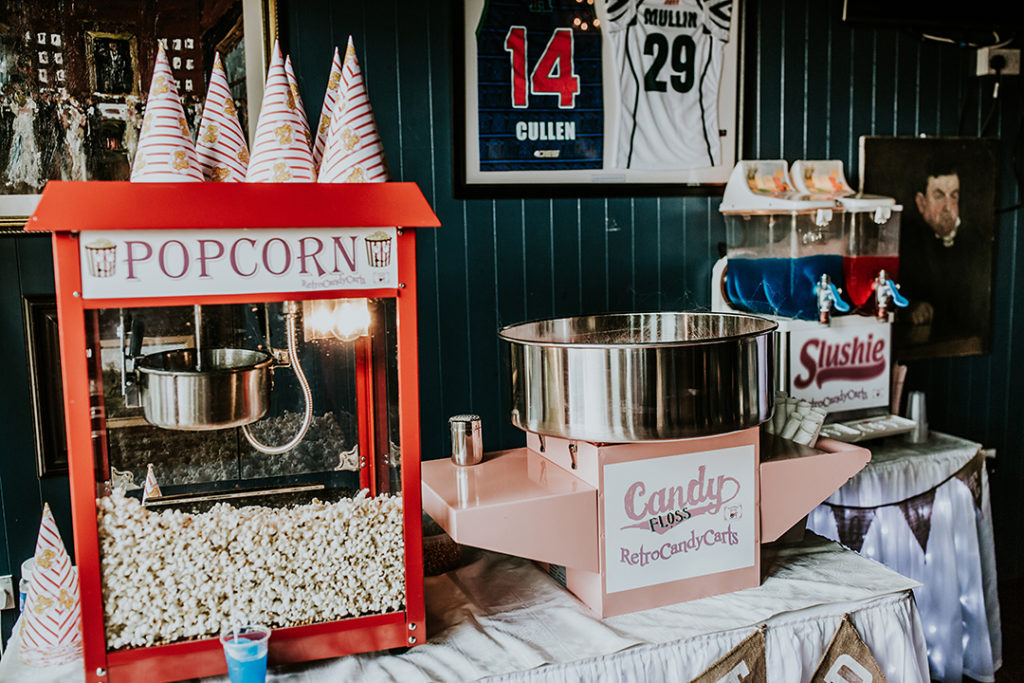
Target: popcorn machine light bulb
x,y
351,319
317,320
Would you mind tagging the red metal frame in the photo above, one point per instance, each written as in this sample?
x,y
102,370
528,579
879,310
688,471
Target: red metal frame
x,y
67,208
382,434
364,395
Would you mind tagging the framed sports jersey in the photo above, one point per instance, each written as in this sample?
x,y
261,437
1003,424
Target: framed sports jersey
x,y
597,97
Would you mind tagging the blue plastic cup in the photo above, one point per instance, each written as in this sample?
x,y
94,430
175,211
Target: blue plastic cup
x,y
245,650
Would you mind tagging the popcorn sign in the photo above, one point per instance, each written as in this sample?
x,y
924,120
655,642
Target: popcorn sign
x,y
145,263
678,517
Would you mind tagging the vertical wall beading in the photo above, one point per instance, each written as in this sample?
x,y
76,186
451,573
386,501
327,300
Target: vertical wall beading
x,y
807,43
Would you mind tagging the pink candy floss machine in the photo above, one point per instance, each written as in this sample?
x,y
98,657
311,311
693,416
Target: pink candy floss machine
x,y
645,479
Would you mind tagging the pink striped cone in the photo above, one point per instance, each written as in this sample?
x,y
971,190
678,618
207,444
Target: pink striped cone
x,y
151,489
165,152
51,630
293,84
330,96
353,153
279,152
220,144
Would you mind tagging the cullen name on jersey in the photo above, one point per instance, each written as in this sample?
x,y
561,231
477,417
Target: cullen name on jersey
x,y
539,91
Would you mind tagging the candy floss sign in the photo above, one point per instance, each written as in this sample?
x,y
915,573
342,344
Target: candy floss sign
x,y
840,368
678,517
147,263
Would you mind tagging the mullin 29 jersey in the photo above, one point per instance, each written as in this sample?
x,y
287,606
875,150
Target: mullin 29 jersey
x,y
668,56
539,86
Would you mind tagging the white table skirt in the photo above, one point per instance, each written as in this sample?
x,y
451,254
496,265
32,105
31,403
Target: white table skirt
x,y
503,619
957,600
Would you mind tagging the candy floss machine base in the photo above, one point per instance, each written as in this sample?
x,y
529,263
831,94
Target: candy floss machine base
x,y
240,383
644,480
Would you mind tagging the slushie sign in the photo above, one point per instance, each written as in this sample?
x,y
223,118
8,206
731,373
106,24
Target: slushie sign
x,y
678,517
840,368
146,263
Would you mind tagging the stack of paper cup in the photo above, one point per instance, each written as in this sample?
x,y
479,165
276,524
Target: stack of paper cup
x,y
26,580
220,145
280,148
330,98
795,420
353,152
165,151
293,85
51,630
152,488
916,412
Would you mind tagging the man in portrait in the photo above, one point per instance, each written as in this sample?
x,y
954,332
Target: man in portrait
x,y
947,187
944,269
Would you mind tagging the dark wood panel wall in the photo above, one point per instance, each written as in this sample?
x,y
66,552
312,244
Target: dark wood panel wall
x,y
26,269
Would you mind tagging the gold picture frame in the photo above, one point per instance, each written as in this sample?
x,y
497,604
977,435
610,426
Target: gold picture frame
x,y
112,61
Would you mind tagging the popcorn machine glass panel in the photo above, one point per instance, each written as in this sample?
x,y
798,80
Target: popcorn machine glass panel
x,y
283,539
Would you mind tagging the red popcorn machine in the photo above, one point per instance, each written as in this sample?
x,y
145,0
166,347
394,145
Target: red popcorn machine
x,y
255,345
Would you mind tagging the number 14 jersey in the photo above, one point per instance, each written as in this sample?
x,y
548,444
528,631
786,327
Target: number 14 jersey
x,y
668,56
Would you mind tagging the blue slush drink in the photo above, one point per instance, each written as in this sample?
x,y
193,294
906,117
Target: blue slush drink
x,y
246,654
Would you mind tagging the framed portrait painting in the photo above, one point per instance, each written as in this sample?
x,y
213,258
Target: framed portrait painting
x,y
947,187
596,98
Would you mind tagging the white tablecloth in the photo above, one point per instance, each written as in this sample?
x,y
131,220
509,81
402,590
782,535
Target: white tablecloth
x,y
500,618
957,600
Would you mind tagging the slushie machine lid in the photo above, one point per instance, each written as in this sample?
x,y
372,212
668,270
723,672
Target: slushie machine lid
x,y
764,187
827,179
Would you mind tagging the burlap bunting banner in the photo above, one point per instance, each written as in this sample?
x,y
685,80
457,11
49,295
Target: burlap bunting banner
x,y
853,522
971,477
745,663
852,525
918,513
847,659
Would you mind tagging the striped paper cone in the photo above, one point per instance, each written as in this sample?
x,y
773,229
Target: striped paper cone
x,y
51,630
353,153
330,96
151,489
279,150
220,146
293,84
165,153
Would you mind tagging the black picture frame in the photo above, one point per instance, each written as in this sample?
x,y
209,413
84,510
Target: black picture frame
x,y
42,344
468,182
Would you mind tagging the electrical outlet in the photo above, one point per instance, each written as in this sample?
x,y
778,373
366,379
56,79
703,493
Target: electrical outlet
x,y
7,592
1011,66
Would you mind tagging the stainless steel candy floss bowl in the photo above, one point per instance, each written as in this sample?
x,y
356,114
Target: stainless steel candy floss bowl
x,y
628,377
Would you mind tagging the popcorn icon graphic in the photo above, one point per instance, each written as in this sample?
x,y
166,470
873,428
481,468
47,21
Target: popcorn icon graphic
x,y
101,255
378,249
